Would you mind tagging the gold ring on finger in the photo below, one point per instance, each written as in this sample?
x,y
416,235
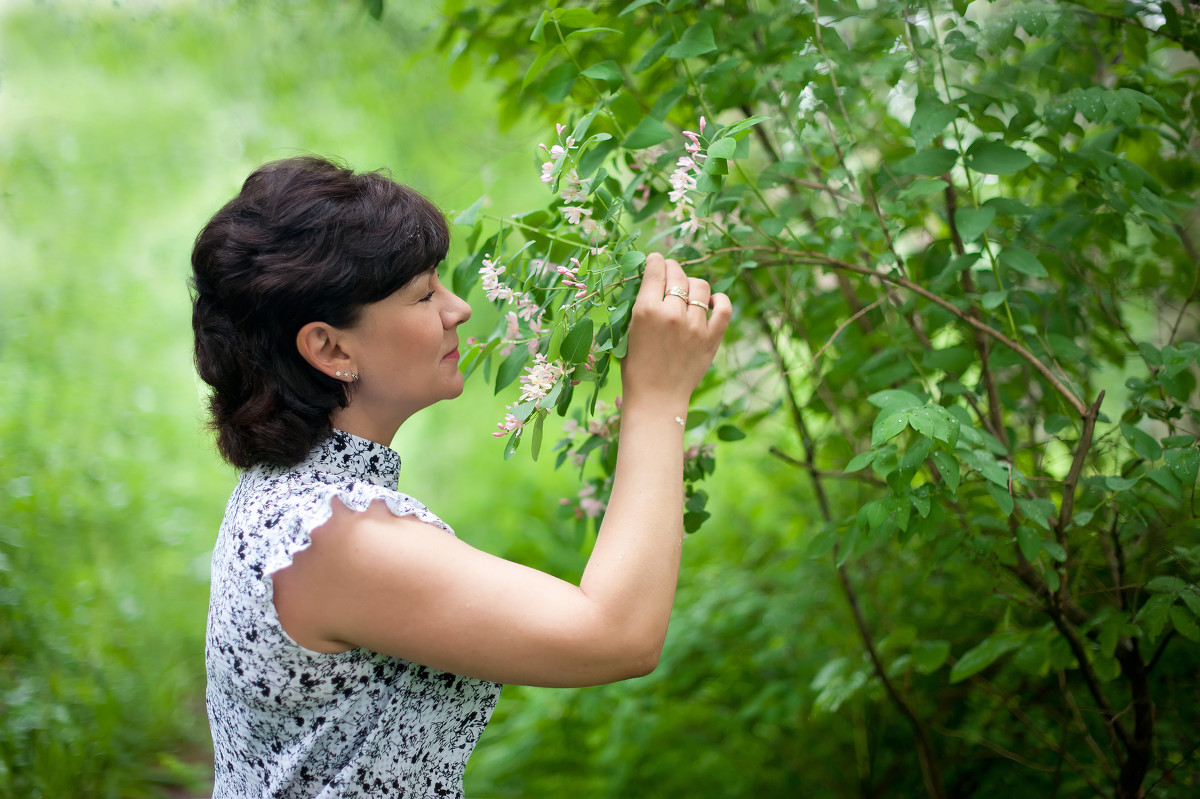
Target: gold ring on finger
x,y
698,304
677,291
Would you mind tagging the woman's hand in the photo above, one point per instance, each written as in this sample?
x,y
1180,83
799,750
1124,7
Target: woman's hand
x,y
676,327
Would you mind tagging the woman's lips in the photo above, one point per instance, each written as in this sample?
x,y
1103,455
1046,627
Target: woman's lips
x,y
452,355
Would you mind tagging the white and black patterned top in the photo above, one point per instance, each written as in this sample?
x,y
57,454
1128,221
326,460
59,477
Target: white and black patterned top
x,y
290,722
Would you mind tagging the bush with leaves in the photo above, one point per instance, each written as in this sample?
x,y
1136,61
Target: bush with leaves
x,y
960,239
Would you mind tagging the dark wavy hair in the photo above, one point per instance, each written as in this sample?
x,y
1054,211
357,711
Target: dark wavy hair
x,y
305,240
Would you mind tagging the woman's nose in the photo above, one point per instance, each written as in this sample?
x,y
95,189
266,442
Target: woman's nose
x,y
460,311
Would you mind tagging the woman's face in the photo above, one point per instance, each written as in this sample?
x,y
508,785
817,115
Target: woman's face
x,y
405,350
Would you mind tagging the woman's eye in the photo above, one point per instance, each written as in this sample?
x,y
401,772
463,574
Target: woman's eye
x,y
427,297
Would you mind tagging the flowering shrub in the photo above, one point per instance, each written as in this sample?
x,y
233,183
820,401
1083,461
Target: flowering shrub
x,y
960,240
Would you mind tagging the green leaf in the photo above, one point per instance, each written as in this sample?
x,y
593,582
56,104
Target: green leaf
x,y
1022,260
535,69
538,35
991,300
1185,623
994,158
972,222
648,133
950,359
1175,360
375,8
510,368
984,655
928,656
510,447
1142,442
631,259
651,56
728,432
606,71
1184,464
696,41
1055,550
1004,500
948,467
860,461
1055,422
1153,614
887,427
1029,542
467,217
922,187
578,342
722,148
1037,511
559,82
744,124
1166,584
929,119
1118,483
1167,481
896,399
535,444
937,161
1191,598
576,17
634,6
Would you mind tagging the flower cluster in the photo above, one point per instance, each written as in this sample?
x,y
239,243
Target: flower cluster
x,y
528,309
570,278
556,152
509,424
573,193
589,505
541,378
683,181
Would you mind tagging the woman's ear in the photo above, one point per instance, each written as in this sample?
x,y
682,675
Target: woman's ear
x,y
320,344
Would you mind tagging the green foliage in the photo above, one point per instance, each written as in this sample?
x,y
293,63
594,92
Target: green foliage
x,y
960,242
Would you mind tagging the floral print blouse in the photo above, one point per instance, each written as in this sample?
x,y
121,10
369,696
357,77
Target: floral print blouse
x,y
290,722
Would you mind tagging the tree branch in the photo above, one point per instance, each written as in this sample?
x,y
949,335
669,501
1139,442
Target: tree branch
x,y
1067,508
824,260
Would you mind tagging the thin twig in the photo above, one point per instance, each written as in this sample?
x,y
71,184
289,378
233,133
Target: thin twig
x,y
1067,508
847,323
1087,734
1022,717
825,260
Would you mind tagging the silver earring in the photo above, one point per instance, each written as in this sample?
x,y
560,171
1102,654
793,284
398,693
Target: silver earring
x,y
354,376
339,374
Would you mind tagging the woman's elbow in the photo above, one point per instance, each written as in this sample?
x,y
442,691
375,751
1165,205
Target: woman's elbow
x,y
647,663
643,659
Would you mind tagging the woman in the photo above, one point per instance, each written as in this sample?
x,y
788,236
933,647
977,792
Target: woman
x,y
355,645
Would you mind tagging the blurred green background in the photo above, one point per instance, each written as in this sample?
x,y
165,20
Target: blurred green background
x,y
123,126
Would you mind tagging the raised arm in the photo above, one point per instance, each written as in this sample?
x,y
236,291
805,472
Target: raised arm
x,y
404,588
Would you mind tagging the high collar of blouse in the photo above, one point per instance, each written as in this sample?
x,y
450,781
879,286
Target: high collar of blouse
x,y
358,458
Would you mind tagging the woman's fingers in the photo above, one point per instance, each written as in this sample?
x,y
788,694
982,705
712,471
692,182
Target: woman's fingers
x,y
722,312
654,279
677,288
698,295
